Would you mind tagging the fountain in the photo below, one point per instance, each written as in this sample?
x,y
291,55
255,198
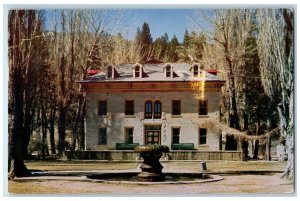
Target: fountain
x,y
151,167
152,171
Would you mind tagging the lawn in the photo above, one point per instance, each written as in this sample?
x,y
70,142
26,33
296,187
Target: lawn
x,y
231,184
213,166
78,165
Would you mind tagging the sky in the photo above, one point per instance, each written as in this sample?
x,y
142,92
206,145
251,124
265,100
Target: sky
x,y
161,21
126,21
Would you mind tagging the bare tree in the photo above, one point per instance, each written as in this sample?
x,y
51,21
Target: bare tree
x,y
24,34
276,52
227,32
125,51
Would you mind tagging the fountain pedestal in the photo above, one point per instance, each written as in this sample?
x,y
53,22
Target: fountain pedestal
x,y
151,167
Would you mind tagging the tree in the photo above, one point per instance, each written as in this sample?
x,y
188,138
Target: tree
x,y
161,47
186,38
276,53
183,49
145,39
173,45
80,41
230,32
125,51
232,49
195,47
24,33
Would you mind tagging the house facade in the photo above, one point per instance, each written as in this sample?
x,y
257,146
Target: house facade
x,y
152,104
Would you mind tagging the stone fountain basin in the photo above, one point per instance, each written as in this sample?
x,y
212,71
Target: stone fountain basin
x,y
170,178
151,149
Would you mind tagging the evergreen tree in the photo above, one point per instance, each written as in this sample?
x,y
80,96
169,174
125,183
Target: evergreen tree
x,y
144,38
158,48
161,47
172,54
186,38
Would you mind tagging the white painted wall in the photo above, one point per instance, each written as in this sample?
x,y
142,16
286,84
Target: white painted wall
x,y
116,120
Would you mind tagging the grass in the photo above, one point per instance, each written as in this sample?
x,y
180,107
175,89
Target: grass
x,y
78,165
213,166
217,166
231,183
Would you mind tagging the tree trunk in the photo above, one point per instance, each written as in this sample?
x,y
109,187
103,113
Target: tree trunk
x,y
244,146
255,151
27,131
268,149
17,166
61,129
233,114
287,130
75,134
256,142
288,92
82,130
52,130
44,130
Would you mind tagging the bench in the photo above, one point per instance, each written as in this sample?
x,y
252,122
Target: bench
x,y
183,146
125,146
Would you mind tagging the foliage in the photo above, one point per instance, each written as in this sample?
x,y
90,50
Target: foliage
x,y
144,38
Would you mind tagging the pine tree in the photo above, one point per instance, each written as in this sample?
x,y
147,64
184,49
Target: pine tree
x,y
186,38
144,38
172,54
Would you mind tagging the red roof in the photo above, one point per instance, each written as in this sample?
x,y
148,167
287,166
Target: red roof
x,y
93,72
212,71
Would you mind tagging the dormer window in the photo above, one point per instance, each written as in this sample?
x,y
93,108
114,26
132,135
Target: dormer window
x,y
196,70
109,72
137,71
169,70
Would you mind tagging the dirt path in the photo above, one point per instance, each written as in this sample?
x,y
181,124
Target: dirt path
x,y
232,184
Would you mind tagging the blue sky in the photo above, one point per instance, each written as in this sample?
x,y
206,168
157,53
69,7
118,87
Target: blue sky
x,y
161,21
170,21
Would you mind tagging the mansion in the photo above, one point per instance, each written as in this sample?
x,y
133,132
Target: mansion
x,y
152,104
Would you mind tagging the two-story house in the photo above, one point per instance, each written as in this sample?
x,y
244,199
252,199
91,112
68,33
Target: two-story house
x,y
151,104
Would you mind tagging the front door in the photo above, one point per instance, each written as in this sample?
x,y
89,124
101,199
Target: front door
x,y
152,134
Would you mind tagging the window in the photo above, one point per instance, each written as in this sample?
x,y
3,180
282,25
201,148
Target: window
x,y
168,71
137,71
152,110
109,71
102,136
129,135
196,70
129,107
175,135
202,107
102,108
148,109
157,109
176,107
202,136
